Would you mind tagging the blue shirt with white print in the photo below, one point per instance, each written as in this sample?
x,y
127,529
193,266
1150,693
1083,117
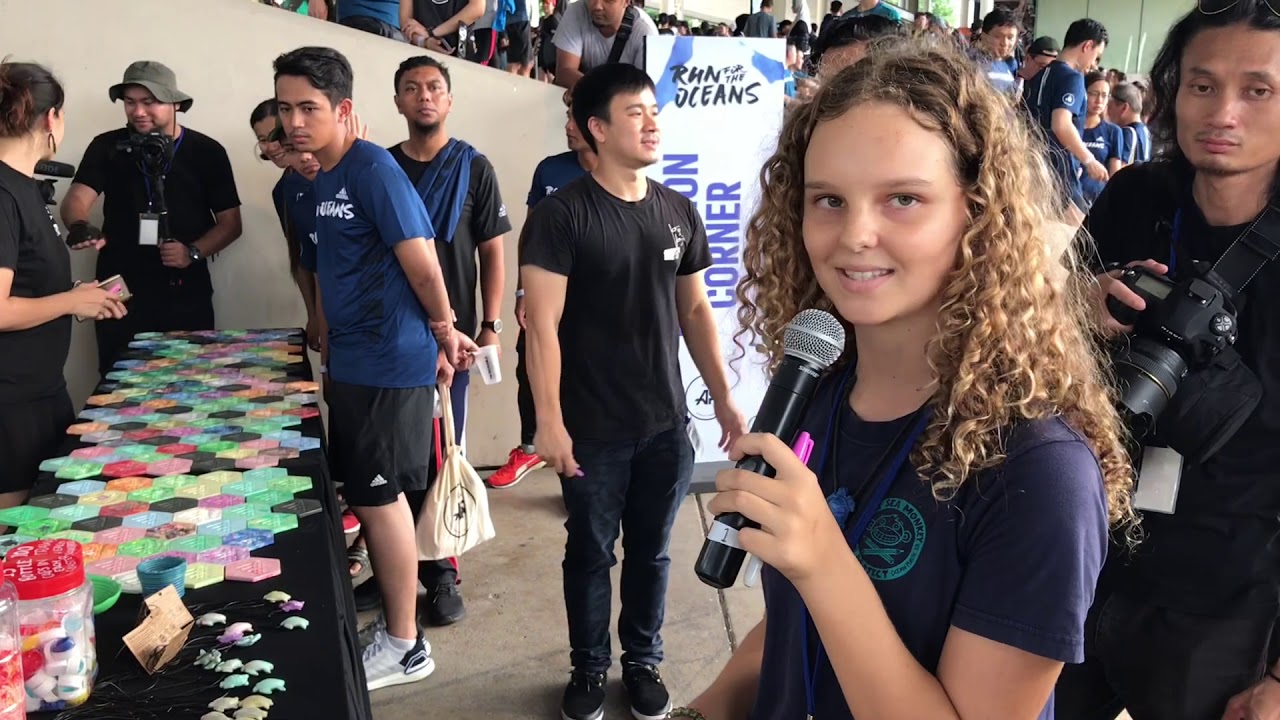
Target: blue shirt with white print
x,y
1013,557
379,333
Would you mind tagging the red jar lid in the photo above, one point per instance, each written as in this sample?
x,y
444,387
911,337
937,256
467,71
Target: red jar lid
x,y
45,568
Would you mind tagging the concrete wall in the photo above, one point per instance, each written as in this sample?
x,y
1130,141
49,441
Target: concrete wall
x,y
1137,27
222,52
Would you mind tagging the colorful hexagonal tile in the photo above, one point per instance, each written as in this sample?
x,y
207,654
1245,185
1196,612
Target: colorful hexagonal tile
x,y
73,513
176,449
82,487
95,551
169,466
249,539
104,498
141,548
129,484
221,501
195,543
22,514
198,515
97,524
124,509
55,500
173,482
90,453
147,520
151,495
78,470
119,535
253,569
245,487
200,574
173,505
222,477
113,567
222,554
275,522
222,527
124,469
43,528
301,507
172,530
79,536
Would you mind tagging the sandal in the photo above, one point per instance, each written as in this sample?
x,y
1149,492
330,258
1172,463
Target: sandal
x,y
357,555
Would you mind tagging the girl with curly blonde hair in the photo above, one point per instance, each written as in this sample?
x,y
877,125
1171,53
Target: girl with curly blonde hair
x,y
937,556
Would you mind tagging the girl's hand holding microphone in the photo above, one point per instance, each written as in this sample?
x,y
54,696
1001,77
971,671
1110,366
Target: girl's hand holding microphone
x,y
90,302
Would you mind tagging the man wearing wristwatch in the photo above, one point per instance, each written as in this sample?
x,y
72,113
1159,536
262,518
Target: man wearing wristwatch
x,y
459,188
435,24
164,263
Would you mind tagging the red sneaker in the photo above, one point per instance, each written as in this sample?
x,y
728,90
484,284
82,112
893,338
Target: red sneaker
x,y
519,464
350,524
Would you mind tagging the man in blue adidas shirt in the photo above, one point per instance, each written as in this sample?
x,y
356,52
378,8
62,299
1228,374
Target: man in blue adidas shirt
x,y
1125,110
382,294
995,50
551,174
1056,100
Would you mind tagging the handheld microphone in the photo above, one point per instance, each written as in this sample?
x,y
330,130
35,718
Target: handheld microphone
x,y
812,342
53,168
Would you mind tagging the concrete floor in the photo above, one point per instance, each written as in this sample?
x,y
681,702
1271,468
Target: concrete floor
x,y
509,659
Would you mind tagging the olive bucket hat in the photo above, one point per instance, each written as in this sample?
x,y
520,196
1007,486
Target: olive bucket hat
x,y
156,77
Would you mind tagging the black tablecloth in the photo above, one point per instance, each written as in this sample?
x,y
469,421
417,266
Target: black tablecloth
x,y
321,665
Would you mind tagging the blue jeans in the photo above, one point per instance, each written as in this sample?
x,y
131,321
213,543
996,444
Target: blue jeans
x,y
636,486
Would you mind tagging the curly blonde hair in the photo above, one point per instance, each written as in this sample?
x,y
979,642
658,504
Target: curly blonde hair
x,y
1015,332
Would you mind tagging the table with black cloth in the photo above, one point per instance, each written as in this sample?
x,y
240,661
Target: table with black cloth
x,y
320,665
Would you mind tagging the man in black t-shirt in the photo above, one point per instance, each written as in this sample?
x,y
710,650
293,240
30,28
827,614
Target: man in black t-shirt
x,y
169,276
460,190
1182,625
612,266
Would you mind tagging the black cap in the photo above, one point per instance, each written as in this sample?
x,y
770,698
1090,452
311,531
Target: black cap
x,y
1044,46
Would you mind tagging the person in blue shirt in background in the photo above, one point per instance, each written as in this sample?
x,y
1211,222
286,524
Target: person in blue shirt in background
x,y
1125,110
1104,139
1056,99
552,173
994,50
966,415
390,337
878,7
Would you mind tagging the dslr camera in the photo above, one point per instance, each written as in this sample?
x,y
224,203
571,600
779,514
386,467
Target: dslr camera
x,y
1185,326
153,151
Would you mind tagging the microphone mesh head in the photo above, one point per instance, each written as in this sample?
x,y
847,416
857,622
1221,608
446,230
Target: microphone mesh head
x,y
814,336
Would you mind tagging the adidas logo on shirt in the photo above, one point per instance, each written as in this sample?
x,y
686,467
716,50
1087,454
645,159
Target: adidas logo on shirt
x,y
342,194
378,481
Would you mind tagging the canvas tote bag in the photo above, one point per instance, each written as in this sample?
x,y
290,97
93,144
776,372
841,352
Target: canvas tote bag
x,y
455,516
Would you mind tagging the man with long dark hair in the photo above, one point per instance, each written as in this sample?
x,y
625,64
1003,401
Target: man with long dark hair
x,y
1182,625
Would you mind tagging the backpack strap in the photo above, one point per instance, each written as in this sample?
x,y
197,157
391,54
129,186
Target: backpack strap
x,y
624,34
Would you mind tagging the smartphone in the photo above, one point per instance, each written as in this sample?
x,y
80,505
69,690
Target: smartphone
x,y
115,284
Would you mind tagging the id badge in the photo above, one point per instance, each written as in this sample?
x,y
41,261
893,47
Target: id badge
x,y
1158,480
149,229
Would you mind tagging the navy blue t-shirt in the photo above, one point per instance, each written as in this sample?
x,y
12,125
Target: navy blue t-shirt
x,y
379,333
295,203
1014,557
388,11
553,173
1003,74
1137,143
1105,142
1058,87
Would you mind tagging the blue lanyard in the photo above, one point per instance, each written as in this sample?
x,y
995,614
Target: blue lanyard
x,y
1173,243
146,181
902,452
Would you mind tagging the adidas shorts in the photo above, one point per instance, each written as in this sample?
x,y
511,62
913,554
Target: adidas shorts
x,y
379,441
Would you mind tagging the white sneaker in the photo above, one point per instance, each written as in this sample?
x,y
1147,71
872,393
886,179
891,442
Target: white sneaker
x,y
384,667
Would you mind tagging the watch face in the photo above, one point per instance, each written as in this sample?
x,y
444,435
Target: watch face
x,y
497,326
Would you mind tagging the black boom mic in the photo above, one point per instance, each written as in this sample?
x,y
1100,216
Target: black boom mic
x,y
52,168
812,342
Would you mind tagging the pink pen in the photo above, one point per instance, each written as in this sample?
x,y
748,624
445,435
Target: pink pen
x,y
803,448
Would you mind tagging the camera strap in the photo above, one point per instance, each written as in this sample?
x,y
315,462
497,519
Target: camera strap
x,y
1258,245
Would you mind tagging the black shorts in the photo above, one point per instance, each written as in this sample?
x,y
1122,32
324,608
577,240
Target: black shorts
x,y
30,433
379,441
519,48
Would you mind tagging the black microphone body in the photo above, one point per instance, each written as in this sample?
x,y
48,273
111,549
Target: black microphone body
x,y
780,414
53,168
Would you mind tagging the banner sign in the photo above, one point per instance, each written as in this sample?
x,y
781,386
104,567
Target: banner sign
x,y
721,104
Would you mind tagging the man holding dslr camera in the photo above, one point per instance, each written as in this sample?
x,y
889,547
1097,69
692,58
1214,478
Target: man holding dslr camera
x,y
170,205
1183,622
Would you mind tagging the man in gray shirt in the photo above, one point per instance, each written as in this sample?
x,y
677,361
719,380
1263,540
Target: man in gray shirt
x,y
761,24
587,33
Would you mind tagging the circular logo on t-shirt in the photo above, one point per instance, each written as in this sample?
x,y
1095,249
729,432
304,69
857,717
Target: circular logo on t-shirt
x,y
1069,99
892,542
698,400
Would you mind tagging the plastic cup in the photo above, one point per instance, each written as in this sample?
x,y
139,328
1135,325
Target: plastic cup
x,y
156,573
487,362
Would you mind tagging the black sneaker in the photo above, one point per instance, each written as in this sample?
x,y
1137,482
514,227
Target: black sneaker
x,y
584,697
368,596
444,604
649,697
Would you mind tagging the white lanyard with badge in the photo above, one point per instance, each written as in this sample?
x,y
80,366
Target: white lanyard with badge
x,y
1199,411
149,222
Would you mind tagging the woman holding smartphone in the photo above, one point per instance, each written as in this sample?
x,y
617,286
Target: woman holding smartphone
x,y
37,296
937,556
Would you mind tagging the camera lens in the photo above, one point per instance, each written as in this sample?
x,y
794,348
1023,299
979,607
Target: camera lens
x,y
1148,373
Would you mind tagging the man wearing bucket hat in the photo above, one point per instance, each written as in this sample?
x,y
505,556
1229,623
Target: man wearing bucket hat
x,y
163,261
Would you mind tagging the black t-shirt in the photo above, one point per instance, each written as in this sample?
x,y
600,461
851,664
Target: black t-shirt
x,y
433,12
619,333
199,185
484,218
1219,547
31,246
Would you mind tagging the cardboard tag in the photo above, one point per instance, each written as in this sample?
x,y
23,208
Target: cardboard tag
x,y
162,632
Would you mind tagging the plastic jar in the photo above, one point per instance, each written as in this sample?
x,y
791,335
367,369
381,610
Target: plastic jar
x,y
55,622
12,697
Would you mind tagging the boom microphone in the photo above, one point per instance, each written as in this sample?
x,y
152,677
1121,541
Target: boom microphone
x,y
53,168
812,342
